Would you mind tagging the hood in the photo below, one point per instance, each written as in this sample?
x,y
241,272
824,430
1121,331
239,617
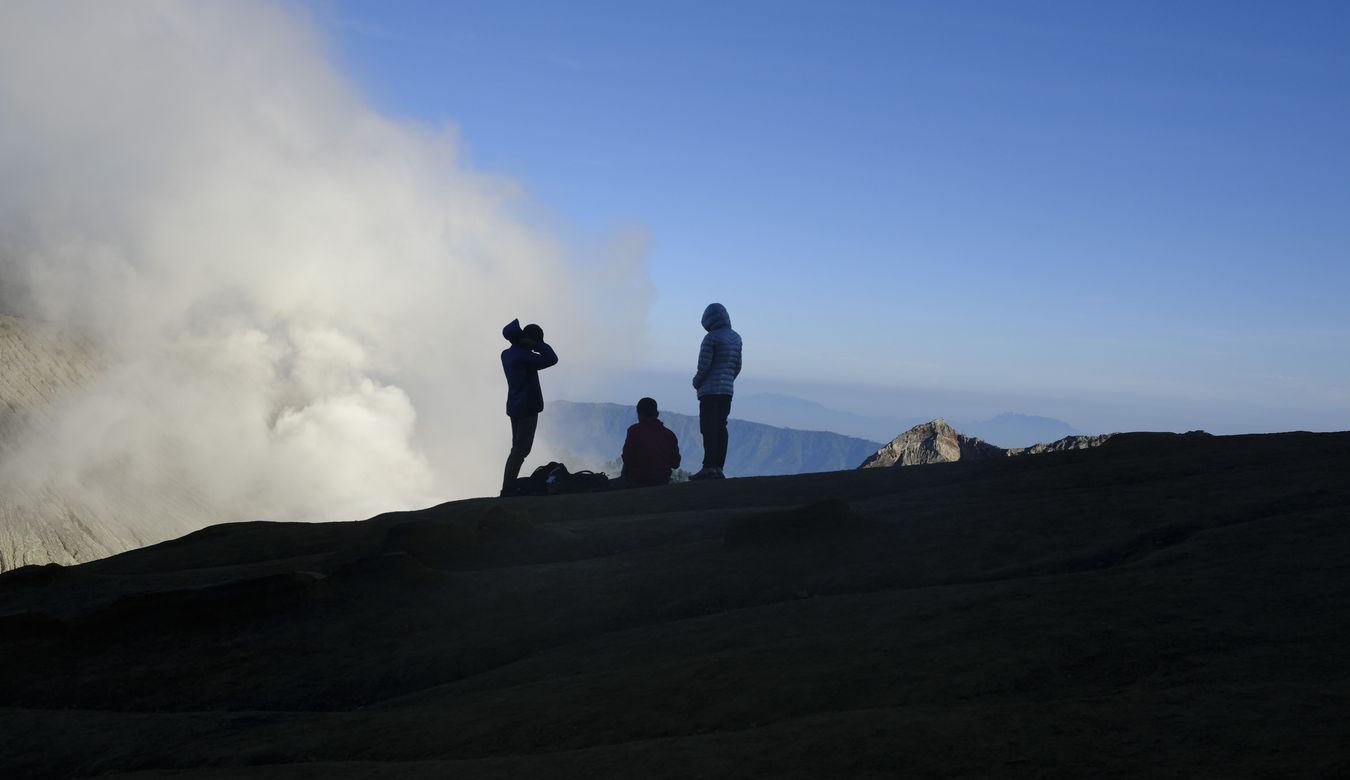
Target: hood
x,y
512,331
715,317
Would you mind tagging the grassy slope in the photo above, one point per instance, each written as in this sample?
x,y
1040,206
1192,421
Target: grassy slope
x,y
1161,606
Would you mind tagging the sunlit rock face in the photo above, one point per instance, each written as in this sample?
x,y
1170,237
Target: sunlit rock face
x,y
38,363
938,442
1064,444
49,516
932,442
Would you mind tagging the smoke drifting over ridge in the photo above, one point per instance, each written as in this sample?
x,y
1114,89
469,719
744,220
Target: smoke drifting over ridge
x,y
298,301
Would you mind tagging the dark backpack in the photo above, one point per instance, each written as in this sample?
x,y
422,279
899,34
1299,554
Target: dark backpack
x,y
552,478
580,482
536,484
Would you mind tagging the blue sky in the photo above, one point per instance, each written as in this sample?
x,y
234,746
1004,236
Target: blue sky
x,y
1134,203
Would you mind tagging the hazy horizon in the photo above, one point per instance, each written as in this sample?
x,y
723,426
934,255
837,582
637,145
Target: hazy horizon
x,y
1093,416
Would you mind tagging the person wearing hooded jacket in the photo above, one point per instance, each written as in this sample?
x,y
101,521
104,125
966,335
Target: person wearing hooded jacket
x,y
522,362
719,363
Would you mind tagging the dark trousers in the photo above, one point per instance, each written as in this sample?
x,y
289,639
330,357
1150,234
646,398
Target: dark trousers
x,y
712,423
522,441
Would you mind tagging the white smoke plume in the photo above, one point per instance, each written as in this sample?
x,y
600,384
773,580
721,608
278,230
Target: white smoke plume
x,y
298,301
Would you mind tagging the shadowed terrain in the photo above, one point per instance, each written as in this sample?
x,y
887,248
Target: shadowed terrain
x,y
1158,606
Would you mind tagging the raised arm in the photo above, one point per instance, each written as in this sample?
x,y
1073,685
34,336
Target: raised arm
x,y
540,356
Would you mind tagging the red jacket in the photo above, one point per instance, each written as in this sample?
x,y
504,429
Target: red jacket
x,y
650,452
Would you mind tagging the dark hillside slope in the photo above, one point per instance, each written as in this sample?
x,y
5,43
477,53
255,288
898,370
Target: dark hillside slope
x,y
1160,606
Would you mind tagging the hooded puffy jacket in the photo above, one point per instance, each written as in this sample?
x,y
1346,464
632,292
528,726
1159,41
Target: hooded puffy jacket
x,y
719,357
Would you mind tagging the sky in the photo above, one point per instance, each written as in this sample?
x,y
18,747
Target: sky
x,y
290,231
1138,203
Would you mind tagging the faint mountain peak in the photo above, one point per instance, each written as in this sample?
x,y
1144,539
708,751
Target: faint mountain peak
x,y
788,411
785,401
1014,429
1008,416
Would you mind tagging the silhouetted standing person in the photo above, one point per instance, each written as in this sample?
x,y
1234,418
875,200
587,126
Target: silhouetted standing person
x,y
650,451
719,363
522,362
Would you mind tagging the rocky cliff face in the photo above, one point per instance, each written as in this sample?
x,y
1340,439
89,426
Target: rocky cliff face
x,y
38,364
932,442
1061,445
47,517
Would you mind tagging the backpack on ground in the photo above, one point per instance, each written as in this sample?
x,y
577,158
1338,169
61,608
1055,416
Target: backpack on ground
x,y
553,478
581,482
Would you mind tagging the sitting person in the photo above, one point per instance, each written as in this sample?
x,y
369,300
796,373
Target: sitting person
x,y
650,452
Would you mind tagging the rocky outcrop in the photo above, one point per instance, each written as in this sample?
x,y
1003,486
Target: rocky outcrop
x,y
932,442
938,442
1061,445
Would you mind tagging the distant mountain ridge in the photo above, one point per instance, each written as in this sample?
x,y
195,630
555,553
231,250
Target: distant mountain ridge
x,y
799,413
1010,429
593,434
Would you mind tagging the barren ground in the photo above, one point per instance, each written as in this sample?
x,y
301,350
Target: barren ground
x,y
1162,606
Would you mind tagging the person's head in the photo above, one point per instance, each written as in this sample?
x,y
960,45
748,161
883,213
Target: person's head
x,y
647,408
534,333
715,317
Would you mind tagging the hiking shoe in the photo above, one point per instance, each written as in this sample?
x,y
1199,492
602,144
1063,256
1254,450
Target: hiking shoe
x,y
705,473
